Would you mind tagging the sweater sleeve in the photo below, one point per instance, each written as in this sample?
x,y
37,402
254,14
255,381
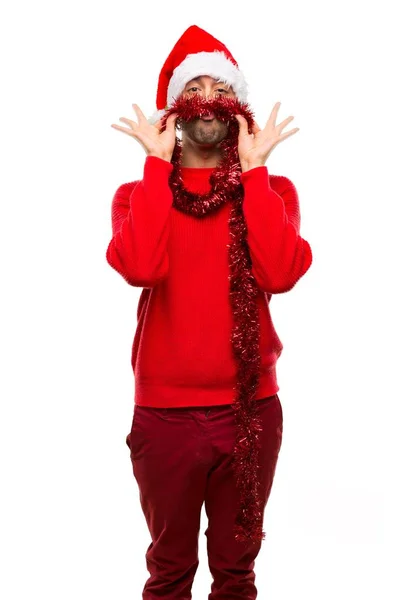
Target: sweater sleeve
x,y
140,226
280,256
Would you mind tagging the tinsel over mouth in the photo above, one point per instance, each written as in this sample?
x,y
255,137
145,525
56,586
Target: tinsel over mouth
x,y
223,108
226,187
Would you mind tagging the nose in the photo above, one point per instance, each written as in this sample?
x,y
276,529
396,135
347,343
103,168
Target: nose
x,y
208,94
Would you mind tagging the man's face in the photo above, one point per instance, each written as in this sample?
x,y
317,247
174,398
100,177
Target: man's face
x,y
206,131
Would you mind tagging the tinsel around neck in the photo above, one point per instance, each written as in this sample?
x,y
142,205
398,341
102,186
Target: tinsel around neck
x,y
225,178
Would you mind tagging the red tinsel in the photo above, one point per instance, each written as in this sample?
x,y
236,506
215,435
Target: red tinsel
x,y
226,187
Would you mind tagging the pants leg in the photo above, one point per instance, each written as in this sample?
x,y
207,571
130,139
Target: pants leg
x,y
170,463
232,563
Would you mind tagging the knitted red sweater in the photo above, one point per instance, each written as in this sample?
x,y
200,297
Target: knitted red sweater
x,y
182,354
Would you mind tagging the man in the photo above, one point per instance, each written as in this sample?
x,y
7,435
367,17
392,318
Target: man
x,y
210,236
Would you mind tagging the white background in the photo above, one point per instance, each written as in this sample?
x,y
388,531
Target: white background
x,y
339,520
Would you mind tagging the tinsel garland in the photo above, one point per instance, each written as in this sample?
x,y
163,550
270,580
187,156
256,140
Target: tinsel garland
x,y
226,187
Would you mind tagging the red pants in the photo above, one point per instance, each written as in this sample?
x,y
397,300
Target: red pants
x,y
181,458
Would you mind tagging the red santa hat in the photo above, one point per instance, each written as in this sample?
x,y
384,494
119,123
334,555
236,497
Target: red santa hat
x,y
196,53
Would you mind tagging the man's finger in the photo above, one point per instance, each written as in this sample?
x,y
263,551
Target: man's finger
x,y
255,127
139,112
171,121
128,121
273,115
157,124
242,124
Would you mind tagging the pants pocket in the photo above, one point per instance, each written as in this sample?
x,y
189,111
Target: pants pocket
x,y
279,426
273,401
133,427
279,406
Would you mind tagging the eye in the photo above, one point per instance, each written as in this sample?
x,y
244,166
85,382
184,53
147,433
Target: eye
x,y
217,90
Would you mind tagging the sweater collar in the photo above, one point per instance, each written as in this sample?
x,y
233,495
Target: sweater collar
x,y
197,171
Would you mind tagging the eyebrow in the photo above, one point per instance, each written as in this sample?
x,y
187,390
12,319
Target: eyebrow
x,y
199,78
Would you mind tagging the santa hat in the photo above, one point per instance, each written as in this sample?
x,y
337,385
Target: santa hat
x,y
196,53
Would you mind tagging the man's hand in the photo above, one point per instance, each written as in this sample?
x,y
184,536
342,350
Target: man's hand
x,y
254,148
149,136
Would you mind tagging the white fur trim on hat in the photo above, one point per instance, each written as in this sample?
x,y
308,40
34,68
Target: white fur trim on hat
x,y
215,64
156,116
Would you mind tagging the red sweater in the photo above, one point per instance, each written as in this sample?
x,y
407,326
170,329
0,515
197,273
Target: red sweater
x,y
182,353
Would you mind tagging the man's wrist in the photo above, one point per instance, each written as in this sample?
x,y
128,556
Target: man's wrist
x,y
249,166
162,157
